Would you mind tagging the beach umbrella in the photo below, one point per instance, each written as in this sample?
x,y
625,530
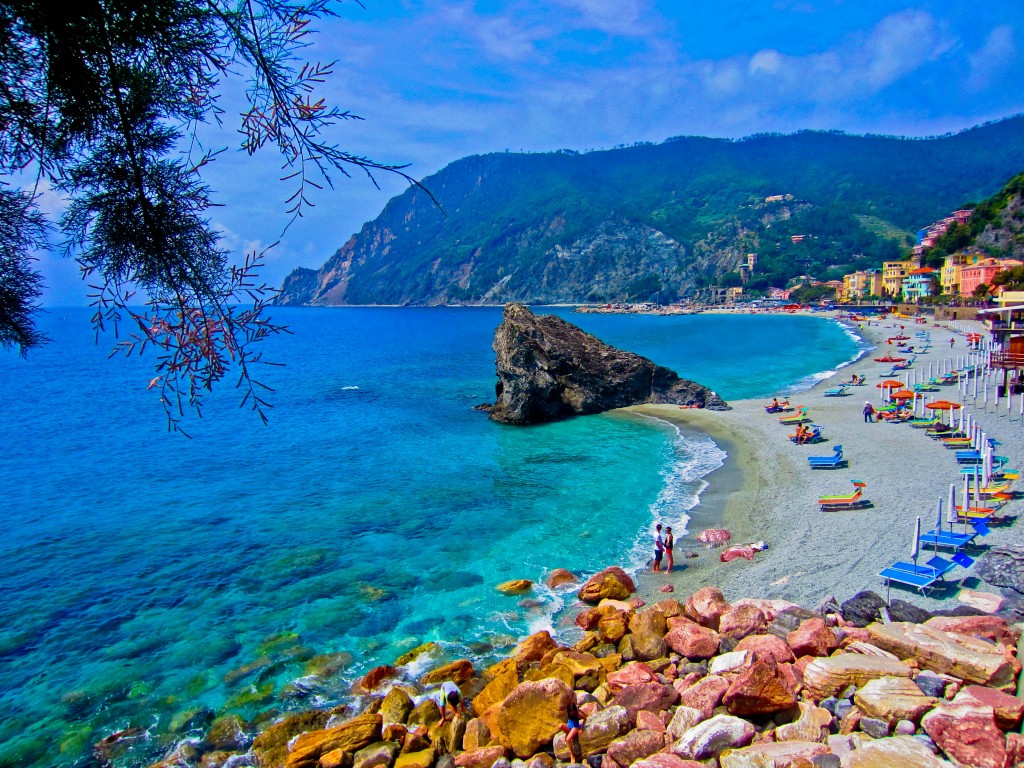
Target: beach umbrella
x,y
915,546
951,512
967,494
943,405
890,384
714,536
902,394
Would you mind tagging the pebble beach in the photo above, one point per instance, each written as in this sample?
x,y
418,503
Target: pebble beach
x,y
767,490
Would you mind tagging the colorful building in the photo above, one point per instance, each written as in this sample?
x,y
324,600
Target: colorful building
x,y
918,283
981,273
893,273
862,285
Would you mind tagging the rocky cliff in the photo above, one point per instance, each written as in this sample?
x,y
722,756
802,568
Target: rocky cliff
x,y
655,222
549,369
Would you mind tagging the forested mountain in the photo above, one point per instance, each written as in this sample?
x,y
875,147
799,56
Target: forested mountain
x,y
665,219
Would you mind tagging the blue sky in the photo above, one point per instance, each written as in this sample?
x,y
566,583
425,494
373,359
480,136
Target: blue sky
x,y
436,80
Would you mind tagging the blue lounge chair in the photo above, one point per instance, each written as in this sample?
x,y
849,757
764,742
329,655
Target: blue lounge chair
x,y
947,539
828,462
836,391
939,566
922,580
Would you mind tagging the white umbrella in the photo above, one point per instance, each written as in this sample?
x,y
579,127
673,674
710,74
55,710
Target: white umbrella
x,y
915,546
987,463
951,512
977,487
967,493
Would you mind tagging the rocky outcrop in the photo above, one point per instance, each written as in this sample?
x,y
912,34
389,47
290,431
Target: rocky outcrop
x,y
549,369
767,700
1003,567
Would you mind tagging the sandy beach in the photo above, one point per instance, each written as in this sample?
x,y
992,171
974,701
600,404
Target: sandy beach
x,y
767,490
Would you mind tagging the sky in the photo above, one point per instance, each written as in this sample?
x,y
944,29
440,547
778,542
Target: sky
x,y
437,80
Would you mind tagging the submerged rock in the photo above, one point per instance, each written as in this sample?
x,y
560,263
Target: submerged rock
x,y
549,369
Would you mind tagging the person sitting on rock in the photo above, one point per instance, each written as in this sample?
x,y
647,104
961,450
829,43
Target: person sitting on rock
x,y
450,697
571,728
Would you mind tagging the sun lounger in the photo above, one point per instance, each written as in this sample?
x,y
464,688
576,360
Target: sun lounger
x,y
947,539
813,437
923,423
922,581
836,391
939,566
845,501
797,418
828,462
975,513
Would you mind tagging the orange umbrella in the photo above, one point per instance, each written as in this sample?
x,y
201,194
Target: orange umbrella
x,y
890,384
943,405
903,394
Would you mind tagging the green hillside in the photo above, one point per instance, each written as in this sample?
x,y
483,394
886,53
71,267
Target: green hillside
x,y
666,218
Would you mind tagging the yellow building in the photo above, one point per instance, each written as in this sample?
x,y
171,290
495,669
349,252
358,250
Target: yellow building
x,y
858,286
950,275
893,273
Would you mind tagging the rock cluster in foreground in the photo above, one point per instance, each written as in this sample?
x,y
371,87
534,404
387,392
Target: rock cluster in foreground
x,y
549,369
753,684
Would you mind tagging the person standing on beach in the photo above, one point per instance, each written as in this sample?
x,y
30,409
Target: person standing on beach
x,y
670,542
869,412
952,339
658,546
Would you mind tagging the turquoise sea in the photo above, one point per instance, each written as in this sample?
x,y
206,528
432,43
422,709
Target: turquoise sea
x,y
152,581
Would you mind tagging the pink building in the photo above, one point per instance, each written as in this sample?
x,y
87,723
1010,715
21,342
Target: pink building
x,y
971,276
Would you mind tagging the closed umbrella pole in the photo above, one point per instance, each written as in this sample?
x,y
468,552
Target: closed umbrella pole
x,y
951,512
915,546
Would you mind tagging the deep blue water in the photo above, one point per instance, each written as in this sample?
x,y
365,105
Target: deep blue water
x,y
143,572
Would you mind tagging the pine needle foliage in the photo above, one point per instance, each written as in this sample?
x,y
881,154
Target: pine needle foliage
x,y
102,100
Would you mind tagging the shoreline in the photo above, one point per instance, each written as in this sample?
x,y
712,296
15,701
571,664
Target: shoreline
x,y
766,489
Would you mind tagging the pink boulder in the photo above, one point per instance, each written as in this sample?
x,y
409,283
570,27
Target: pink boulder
x,y
588,619
691,640
759,690
812,638
968,734
706,606
742,620
636,745
634,673
649,721
989,627
705,695
1007,709
666,760
651,697
766,647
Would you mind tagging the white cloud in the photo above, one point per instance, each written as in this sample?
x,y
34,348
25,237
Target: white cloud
x,y
998,51
626,18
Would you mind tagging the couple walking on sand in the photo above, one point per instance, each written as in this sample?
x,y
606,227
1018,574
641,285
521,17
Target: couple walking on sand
x,y
663,547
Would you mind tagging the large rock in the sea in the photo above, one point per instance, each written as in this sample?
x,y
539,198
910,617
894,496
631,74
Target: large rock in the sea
x,y
611,583
549,369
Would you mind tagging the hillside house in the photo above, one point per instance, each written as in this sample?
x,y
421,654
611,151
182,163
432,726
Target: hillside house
x,y
982,272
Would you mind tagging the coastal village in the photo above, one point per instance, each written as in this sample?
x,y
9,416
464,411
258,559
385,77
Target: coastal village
x,y
965,277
